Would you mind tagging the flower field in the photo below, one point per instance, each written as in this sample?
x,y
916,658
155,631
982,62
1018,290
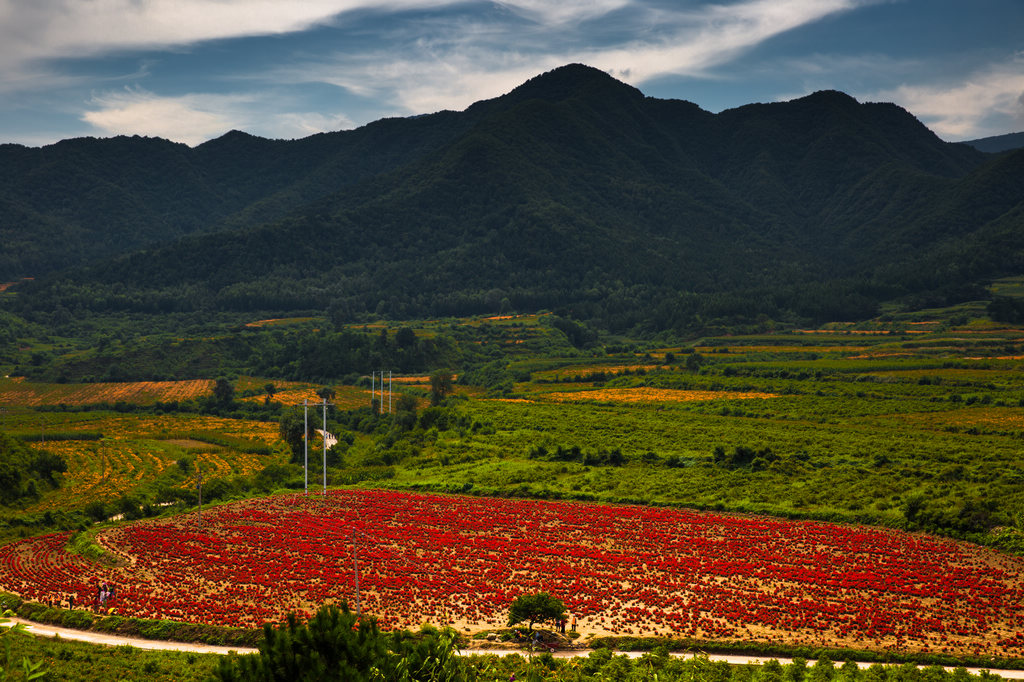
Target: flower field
x,y
17,391
621,570
143,427
650,395
1000,419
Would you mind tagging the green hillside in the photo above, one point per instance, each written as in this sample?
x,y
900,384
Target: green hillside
x,y
574,193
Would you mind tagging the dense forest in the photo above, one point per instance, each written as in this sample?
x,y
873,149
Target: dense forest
x,y
573,193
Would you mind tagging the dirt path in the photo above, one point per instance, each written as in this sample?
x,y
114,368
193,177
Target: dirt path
x,y
117,640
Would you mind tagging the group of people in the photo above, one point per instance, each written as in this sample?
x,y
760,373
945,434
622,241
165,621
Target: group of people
x,y
104,594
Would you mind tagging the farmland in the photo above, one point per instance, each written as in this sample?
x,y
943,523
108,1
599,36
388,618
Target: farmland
x,y
620,570
702,450
32,394
111,456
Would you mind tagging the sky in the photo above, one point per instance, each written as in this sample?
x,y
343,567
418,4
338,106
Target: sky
x,y
192,70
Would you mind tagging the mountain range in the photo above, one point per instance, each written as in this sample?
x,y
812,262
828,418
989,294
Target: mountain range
x,y
574,192
998,143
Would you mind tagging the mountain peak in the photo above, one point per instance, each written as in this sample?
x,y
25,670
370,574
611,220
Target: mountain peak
x,y
837,97
569,82
232,136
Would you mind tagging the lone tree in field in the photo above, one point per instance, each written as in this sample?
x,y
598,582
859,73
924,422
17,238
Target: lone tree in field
x,y
223,391
440,385
535,608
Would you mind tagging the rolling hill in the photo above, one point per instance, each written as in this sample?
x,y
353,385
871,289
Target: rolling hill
x,y
573,192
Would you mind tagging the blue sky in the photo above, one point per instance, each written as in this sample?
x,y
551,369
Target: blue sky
x,y
191,70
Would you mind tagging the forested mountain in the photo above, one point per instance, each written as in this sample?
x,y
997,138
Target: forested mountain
x,y
573,192
998,143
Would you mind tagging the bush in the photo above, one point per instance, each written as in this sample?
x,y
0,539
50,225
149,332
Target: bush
x,y
76,619
9,602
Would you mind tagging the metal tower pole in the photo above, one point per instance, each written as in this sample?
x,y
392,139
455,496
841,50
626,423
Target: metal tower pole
x,y
355,562
325,447
305,444
199,485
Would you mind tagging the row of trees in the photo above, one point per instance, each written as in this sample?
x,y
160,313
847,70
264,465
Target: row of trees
x,y
299,353
24,473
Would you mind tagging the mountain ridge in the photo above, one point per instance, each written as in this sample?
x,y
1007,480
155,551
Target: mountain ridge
x,y
575,192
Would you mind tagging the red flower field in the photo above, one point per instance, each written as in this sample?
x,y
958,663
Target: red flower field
x,y
621,570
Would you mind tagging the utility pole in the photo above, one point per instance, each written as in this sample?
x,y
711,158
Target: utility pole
x,y
325,447
355,562
373,388
199,485
389,391
305,444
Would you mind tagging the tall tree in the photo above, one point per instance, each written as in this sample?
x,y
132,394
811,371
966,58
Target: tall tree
x,y
535,608
223,391
440,385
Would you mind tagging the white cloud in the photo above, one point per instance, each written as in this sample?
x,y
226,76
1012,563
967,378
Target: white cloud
x,y
295,125
453,70
559,12
191,119
420,67
713,36
979,106
44,29
196,118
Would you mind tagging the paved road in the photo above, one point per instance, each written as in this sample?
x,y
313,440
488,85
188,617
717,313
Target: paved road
x,y
116,640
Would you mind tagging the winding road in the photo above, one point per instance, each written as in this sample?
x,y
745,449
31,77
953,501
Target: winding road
x,y
116,640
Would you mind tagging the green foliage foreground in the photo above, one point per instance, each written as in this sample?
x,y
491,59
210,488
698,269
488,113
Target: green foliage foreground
x,y
337,644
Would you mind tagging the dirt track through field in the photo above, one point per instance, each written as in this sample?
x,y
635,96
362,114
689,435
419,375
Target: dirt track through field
x,y
115,640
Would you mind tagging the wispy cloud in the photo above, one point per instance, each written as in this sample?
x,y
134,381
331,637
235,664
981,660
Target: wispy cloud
x,y
986,103
42,29
563,12
711,36
400,57
195,118
190,119
450,69
34,30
